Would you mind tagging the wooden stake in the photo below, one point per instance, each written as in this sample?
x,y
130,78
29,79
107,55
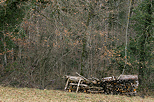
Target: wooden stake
x,y
78,85
66,83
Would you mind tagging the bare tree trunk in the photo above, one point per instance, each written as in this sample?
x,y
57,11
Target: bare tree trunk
x,y
5,51
127,36
12,55
19,54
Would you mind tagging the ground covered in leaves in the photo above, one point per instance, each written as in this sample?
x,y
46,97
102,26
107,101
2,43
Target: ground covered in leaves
x,y
9,94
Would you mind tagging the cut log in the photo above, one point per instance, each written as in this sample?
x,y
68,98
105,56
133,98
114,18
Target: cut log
x,y
97,88
108,79
90,91
82,85
128,77
82,77
74,78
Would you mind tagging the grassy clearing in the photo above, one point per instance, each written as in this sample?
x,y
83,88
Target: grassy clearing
x,y
8,94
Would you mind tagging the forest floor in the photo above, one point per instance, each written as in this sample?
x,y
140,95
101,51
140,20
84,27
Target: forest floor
x,y
9,94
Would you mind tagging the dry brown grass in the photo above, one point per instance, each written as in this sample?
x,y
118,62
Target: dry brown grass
x,y
8,94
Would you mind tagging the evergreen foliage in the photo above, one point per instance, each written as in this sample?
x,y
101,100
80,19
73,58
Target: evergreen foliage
x,y
141,45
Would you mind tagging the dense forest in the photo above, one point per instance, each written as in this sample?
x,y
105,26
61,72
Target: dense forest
x,y
43,40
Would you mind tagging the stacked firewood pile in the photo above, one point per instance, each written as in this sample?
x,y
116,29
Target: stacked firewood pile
x,y
124,84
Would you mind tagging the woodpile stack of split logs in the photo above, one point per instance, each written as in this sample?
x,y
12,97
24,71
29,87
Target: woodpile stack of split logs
x,y
124,84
